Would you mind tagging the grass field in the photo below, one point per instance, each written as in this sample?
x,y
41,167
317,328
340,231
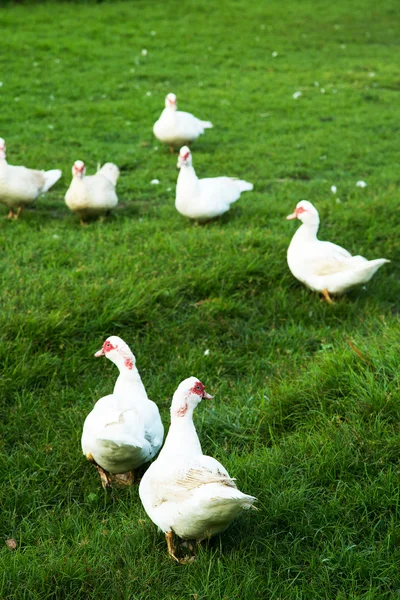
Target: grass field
x,y
306,410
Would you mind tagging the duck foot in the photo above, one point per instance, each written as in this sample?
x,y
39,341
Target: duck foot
x,y
125,478
169,536
327,297
187,560
13,215
105,477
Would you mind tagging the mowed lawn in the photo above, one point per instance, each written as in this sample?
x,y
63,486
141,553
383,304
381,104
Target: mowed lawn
x,y
306,409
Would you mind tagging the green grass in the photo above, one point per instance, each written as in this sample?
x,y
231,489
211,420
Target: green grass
x,y
306,410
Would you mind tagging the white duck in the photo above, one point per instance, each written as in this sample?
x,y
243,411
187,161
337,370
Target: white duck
x,y
20,186
323,266
124,429
175,127
204,199
184,492
92,195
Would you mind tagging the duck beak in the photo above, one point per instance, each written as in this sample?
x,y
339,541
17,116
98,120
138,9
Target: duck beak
x,y
207,396
292,216
99,353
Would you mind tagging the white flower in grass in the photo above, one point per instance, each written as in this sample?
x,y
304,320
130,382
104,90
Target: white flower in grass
x,y
361,184
322,90
333,189
296,95
206,352
148,93
274,54
1,84
371,74
50,126
152,33
154,182
169,189
144,52
316,83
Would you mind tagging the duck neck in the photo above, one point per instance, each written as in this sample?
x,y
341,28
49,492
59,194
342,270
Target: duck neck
x,y
182,439
307,232
187,178
3,164
169,113
129,383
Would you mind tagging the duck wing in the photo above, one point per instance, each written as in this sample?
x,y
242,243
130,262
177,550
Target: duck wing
x,y
179,482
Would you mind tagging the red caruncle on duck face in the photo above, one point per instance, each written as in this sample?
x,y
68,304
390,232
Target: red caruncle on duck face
x,y
107,347
198,389
299,210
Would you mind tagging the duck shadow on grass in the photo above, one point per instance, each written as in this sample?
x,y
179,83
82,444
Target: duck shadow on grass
x,y
132,209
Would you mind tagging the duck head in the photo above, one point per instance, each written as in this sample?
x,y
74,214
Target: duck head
x,y
78,169
184,158
170,102
189,394
118,352
306,213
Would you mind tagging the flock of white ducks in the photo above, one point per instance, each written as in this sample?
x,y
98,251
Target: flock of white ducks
x,y
322,266
184,492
